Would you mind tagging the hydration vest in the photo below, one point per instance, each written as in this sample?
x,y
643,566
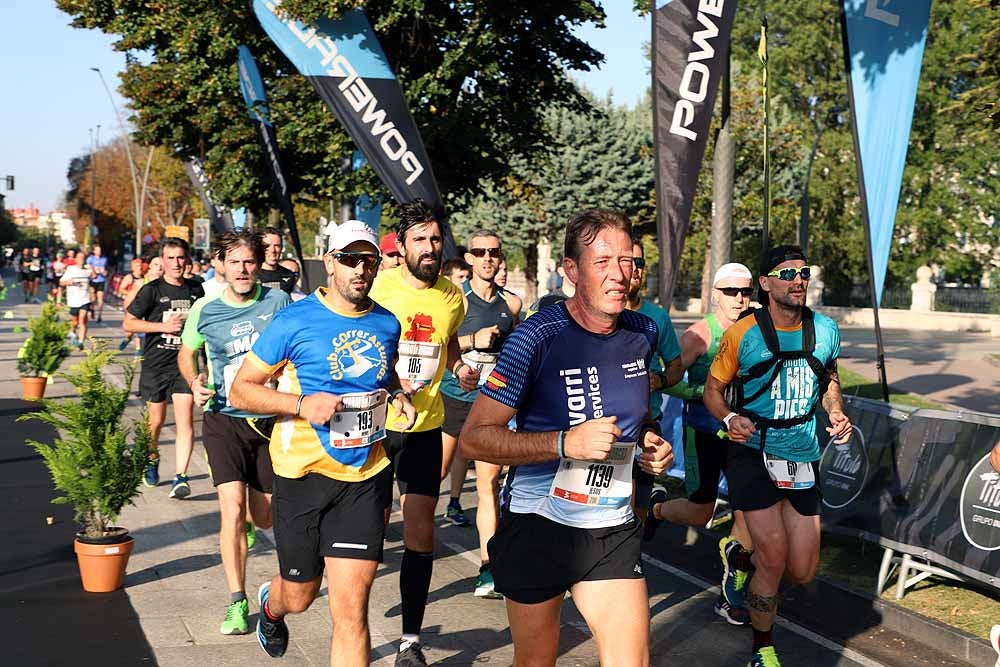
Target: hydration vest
x,y
735,391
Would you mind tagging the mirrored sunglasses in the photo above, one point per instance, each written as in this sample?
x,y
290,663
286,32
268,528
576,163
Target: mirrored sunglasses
x,y
353,259
788,274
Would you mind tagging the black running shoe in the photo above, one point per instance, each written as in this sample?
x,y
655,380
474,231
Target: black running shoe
x,y
411,656
272,635
649,527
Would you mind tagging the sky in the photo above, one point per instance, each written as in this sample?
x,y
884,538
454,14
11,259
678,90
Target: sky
x,y
52,102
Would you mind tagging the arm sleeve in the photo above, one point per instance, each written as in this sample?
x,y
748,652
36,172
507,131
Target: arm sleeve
x,y
727,364
516,369
142,304
191,337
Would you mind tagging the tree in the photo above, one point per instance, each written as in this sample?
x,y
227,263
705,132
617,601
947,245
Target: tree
x,y
477,77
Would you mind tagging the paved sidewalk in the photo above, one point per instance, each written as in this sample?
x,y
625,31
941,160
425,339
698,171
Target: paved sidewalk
x,y
176,586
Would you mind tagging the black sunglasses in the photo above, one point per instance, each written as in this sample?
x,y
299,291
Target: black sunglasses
x,y
482,252
788,275
639,262
352,259
733,291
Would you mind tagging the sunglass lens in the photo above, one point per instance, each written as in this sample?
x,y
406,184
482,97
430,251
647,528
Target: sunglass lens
x,y
639,262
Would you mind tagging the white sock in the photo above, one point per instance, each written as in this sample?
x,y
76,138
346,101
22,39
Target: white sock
x,y
407,640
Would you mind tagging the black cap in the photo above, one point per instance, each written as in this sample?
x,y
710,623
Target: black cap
x,y
779,255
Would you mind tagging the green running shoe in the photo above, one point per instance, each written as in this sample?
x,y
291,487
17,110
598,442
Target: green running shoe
x,y
236,619
734,581
764,657
484,584
251,535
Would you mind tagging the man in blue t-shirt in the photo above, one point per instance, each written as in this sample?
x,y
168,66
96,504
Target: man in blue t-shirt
x,y
225,325
575,377
771,470
98,265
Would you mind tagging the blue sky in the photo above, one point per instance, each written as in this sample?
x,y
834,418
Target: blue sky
x,y
51,100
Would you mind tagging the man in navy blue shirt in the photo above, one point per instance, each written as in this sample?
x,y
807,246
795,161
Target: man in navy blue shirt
x,y
575,377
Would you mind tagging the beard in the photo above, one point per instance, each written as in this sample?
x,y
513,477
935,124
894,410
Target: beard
x,y
427,274
351,293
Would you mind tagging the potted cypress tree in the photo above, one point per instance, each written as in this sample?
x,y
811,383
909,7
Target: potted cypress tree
x,y
97,461
43,352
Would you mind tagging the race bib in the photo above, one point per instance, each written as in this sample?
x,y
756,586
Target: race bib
x,y
484,362
418,362
596,483
361,420
229,372
174,339
789,474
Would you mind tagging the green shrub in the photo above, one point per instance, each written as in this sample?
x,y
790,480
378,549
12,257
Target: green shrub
x,y
92,461
45,350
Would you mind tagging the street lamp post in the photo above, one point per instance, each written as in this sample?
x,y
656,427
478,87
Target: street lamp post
x,y
95,142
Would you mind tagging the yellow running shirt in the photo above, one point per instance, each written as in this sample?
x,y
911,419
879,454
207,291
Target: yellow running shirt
x,y
429,316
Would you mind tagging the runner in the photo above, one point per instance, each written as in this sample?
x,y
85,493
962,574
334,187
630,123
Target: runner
x,y
390,253
272,274
293,266
704,451
501,279
159,310
236,441
457,271
36,267
57,269
575,377
491,313
22,264
333,484
429,310
216,283
76,279
127,289
98,265
781,362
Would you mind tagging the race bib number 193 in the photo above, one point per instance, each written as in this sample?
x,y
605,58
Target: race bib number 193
x,y
361,420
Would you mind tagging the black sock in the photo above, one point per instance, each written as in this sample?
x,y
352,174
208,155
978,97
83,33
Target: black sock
x,y
414,583
485,566
761,638
741,560
236,597
453,501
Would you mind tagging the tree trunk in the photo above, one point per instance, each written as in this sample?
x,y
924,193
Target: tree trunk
x,y
530,273
706,281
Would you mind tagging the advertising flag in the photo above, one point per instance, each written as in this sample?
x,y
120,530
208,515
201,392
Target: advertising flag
x,y
220,217
883,49
690,51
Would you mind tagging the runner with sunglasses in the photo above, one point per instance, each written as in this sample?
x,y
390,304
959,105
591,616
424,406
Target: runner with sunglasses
x,y
491,313
429,309
704,451
332,354
778,364
665,371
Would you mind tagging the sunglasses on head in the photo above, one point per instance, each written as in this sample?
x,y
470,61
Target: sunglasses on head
x,y
482,252
734,291
352,259
788,275
639,263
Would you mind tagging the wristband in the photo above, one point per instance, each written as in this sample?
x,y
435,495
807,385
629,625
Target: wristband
x,y
396,392
298,404
457,367
561,444
728,418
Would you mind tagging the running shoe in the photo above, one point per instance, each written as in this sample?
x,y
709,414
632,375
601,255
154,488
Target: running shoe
x,y
734,581
412,655
251,535
651,523
271,635
180,488
485,587
236,619
455,515
152,475
733,615
122,345
72,338
764,657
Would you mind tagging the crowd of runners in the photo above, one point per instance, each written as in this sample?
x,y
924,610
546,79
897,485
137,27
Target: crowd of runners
x,y
404,369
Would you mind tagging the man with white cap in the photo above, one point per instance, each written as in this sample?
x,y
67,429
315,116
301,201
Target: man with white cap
x,y
704,450
333,355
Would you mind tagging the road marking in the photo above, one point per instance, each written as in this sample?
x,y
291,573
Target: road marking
x,y
850,654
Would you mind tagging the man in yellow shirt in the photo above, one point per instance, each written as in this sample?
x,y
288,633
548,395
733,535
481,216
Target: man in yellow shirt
x,y
429,309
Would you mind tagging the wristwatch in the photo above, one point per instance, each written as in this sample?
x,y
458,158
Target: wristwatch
x,y
728,418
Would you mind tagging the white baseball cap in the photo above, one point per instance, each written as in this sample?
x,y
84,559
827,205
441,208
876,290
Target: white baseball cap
x,y
732,270
350,231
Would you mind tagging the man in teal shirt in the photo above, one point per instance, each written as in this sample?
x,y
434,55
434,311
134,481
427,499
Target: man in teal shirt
x,y
226,325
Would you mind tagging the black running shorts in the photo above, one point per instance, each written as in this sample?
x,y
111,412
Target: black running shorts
x,y
704,461
98,286
157,385
237,450
535,559
751,488
316,517
455,414
75,310
416,461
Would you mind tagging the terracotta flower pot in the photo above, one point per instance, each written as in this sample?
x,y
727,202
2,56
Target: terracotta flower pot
x,y
102,565
32,389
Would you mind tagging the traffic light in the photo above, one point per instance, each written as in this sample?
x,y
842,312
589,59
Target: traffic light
x,y
10,182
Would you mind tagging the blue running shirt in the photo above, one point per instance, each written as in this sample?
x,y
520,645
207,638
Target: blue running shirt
x,y
556,374
318,349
